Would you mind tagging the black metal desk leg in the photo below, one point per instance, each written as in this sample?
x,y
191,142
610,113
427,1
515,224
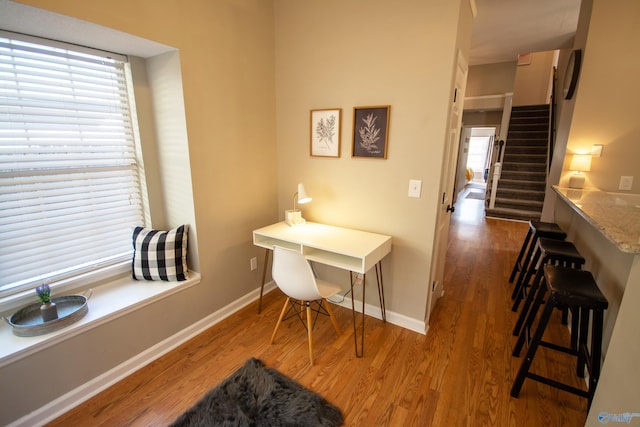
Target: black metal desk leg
x,y
353,313
383,307
264,276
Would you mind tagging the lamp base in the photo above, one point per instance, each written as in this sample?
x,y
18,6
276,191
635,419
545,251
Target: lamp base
x,y
293,218
576,181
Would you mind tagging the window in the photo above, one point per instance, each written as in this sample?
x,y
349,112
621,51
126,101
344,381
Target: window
x,y
70,187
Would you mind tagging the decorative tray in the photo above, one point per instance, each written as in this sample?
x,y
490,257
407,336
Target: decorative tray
x,y
28,322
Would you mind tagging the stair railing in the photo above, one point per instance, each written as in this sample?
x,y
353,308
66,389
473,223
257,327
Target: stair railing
x,y
552,120
495,174
496,168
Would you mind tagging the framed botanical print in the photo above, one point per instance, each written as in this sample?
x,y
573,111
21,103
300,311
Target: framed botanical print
x,y
371,131
325,132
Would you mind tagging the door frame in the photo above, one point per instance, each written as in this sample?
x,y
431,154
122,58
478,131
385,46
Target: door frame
x,y
447,184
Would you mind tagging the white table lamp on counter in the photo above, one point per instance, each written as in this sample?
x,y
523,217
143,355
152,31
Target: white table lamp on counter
x,y
294,217
579,163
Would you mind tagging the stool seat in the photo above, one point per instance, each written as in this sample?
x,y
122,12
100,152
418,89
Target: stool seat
x,y
550,251
547,228
537,229
561,249
574,288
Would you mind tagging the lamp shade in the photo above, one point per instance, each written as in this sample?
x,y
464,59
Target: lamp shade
x,y
303,197
580,163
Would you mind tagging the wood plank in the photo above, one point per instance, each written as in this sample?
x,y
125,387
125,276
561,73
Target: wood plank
x,y
460,374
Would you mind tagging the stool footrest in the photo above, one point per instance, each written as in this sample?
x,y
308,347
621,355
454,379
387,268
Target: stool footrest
x,y
558,385
557,347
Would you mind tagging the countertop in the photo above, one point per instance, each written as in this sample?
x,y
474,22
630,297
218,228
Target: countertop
x,y
616,215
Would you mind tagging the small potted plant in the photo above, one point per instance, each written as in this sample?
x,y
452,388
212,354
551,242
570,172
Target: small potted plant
x,y
48,309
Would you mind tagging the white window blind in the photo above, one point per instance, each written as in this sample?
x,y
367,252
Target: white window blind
x,y
69,180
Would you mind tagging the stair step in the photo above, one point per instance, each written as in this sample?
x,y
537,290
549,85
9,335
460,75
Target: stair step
x,y
531,205
520,194
529,108
526,158
514,184
526,134
524,167
528,149
523,175
527,142
538,120
513,214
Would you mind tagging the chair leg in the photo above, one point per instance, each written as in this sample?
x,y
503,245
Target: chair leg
x,y
310,331
331,316
528,303
525,245
531,352
282,313
525,275
525,329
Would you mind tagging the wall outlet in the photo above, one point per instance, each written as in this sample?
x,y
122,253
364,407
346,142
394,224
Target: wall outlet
x,y
253,263
626,182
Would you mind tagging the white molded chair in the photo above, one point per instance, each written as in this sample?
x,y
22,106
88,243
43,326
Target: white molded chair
x,y
294,276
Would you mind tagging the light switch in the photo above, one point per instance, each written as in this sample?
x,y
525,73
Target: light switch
x,y
415,186
596,150
626,182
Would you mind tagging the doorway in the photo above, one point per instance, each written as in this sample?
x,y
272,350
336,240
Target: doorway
x,y
478,156
474,160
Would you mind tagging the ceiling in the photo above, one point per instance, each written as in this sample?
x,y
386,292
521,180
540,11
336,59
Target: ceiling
x,y
502,28
505,28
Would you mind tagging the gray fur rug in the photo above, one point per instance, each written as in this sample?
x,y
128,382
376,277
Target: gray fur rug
x,y
258,396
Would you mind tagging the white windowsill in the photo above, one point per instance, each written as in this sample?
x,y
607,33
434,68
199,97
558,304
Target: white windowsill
x,y
106,302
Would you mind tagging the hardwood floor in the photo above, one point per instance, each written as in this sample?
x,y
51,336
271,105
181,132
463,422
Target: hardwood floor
x,y
459,374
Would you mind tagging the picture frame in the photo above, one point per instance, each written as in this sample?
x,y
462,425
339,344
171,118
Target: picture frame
x,y
371,131
325,132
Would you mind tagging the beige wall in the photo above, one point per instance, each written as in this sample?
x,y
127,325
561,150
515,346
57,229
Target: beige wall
x,y
605,113
482,118
334,53
533,81
605,105
491,79
218,141
249,77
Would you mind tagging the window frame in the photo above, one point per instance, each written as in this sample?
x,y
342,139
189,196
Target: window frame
x,y
95,274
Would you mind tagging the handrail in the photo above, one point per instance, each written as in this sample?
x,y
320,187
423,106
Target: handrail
x,y
552,121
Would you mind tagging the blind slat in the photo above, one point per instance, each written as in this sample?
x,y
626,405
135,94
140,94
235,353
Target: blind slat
x,y
70,192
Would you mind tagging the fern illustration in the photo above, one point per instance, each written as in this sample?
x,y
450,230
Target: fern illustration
x,y
369,134
325,130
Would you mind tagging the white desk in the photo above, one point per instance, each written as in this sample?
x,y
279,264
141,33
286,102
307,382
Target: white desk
x,y
352,250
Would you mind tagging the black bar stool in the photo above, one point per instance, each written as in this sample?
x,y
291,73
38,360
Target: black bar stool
x,y
576,289
552,251
556,252
537,229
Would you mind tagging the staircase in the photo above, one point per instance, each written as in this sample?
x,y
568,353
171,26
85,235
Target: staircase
x,y
521,189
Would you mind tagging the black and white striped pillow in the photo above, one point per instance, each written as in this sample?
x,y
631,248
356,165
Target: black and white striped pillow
x,y
160,255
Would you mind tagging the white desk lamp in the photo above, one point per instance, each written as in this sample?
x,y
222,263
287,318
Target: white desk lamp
x,y
579,163
294,217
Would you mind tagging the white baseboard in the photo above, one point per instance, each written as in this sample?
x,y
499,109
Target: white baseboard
x,y
392,317
75,397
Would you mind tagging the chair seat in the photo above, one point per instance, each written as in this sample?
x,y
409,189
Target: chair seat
x,y
327,289
294,276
